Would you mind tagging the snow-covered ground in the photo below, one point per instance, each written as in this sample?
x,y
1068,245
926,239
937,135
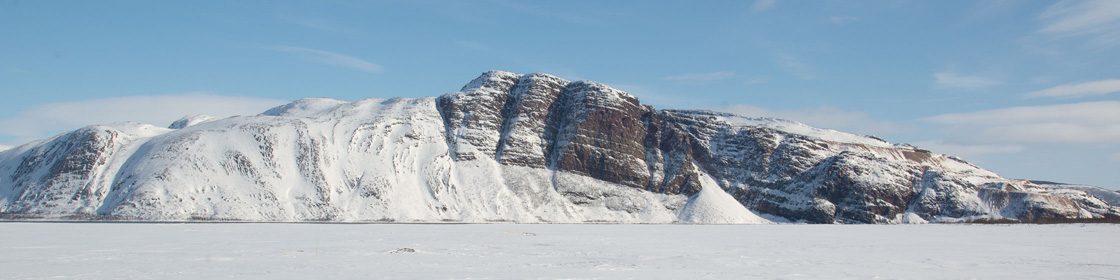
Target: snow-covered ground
x,y
541,251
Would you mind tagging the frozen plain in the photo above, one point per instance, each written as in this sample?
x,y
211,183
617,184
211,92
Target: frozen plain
x,y
544,251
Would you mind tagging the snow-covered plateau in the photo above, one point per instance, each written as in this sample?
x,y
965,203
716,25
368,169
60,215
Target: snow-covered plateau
x,y
540,251
509,147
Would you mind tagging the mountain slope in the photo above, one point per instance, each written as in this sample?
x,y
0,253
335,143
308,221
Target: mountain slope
x,y
508,147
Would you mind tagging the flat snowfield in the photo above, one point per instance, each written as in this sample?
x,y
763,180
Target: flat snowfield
x,y
515,251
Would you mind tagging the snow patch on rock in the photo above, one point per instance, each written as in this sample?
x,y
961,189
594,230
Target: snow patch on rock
x,y
1110,196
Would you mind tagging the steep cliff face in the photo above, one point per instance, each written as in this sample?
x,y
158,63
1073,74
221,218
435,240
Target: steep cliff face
x,y
542,121
790,170
509,147
70,173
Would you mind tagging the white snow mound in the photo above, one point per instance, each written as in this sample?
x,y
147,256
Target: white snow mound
x,y
912,218
190,120
305,108
793,127
714,206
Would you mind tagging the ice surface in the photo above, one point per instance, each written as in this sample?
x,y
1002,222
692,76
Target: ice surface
x,y
517,251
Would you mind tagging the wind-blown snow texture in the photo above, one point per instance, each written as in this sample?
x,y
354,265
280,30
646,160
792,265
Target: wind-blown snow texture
x,y
509,148
518,251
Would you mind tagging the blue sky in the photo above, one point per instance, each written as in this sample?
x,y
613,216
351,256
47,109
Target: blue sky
x,y
1028,89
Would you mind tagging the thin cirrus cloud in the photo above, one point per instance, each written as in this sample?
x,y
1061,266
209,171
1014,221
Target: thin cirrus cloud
x,y
795,66
968,151
1087,89
843,19
472,45
757,80
47,119
1075,123
331,58
582,17
702,77
652,96
824,117
763,5
319,24
954,80
1099,20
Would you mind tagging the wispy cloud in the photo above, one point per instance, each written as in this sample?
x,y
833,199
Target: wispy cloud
x,y
654,97
823,117
985,10
763,5
43,120
843,19
1101,87
330,58
967,151
1087,122
473,45
586,17
951,79
795,66
757,80
319,24
702,77
1099,20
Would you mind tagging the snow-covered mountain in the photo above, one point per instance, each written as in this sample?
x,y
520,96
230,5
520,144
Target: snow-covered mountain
x,y
509,147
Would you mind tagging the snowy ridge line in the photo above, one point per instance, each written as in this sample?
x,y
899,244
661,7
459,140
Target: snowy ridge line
x,y
514,148
791,127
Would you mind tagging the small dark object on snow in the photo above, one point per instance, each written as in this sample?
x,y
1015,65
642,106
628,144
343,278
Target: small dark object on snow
x,y
403,250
